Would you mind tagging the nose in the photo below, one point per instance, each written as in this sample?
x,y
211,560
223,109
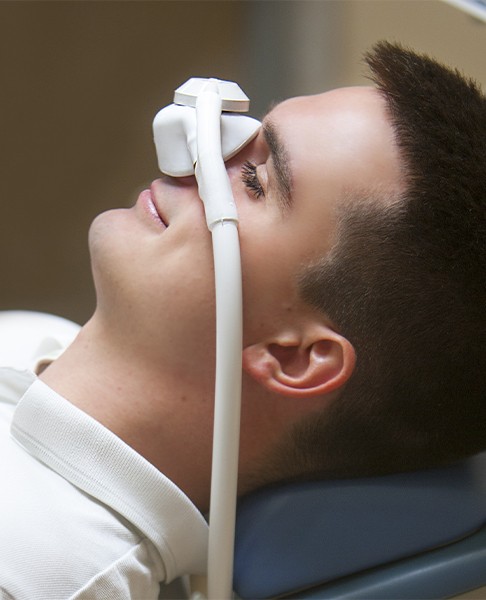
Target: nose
x,y
185,182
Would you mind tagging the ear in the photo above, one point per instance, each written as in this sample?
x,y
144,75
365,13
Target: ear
x,y
317,362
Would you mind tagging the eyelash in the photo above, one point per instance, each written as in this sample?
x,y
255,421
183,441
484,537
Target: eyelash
x,y
250,179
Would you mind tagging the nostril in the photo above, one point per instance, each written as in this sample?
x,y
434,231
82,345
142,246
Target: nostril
x,y
186,181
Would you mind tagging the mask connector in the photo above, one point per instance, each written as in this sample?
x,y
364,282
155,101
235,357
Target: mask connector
x,y
233,99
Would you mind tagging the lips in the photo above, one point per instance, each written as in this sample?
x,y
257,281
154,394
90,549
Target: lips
x,y
150,208
156,211
156,206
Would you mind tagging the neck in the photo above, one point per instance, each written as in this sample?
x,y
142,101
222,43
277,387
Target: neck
x,y
165,418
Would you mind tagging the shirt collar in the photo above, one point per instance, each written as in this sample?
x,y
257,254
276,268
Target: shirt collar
x,y
98,462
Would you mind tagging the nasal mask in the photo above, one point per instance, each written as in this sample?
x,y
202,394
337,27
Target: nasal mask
x,y
195,135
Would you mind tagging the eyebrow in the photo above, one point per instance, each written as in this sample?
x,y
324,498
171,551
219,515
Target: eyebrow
x,y
281,163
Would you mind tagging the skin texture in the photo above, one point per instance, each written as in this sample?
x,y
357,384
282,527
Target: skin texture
x,y
144,364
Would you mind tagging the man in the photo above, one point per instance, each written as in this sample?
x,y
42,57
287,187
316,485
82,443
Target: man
x,y
362,236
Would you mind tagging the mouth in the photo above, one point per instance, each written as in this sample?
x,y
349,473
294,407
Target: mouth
x,y
157,212
151,208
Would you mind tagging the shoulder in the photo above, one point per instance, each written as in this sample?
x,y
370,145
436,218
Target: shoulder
x,y
60,542
26,336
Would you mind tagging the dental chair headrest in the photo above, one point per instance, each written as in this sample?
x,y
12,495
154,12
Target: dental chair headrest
x,y
296,536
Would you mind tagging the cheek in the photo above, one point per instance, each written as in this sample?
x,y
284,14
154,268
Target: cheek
x,y
269,275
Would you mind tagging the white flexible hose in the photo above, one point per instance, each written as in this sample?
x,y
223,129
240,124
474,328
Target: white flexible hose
x,y
215,191
227,411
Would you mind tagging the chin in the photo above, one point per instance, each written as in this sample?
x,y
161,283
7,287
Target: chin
x,y
104,227
107,248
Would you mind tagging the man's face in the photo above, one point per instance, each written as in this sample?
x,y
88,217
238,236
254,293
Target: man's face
x,y
324,147
154,281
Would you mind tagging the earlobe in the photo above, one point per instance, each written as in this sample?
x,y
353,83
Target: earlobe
x,y
318,363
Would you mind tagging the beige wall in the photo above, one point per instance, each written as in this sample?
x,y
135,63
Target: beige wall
x,y
430,26
81,82
319,43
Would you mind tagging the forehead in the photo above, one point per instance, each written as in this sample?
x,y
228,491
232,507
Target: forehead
x,y
342,136
349,101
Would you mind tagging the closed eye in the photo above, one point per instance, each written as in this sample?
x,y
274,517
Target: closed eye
x,y
250,178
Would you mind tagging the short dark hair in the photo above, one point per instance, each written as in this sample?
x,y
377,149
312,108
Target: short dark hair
x,y
406,285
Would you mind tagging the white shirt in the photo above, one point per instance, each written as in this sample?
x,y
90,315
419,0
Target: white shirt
x,y
82,515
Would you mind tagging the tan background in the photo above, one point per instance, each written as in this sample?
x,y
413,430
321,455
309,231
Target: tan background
x,y
81,82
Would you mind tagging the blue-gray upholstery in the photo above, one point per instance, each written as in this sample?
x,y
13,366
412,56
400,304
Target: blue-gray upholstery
x,y
411,535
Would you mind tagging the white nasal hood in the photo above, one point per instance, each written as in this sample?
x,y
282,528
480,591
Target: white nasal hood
x,y
174,127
